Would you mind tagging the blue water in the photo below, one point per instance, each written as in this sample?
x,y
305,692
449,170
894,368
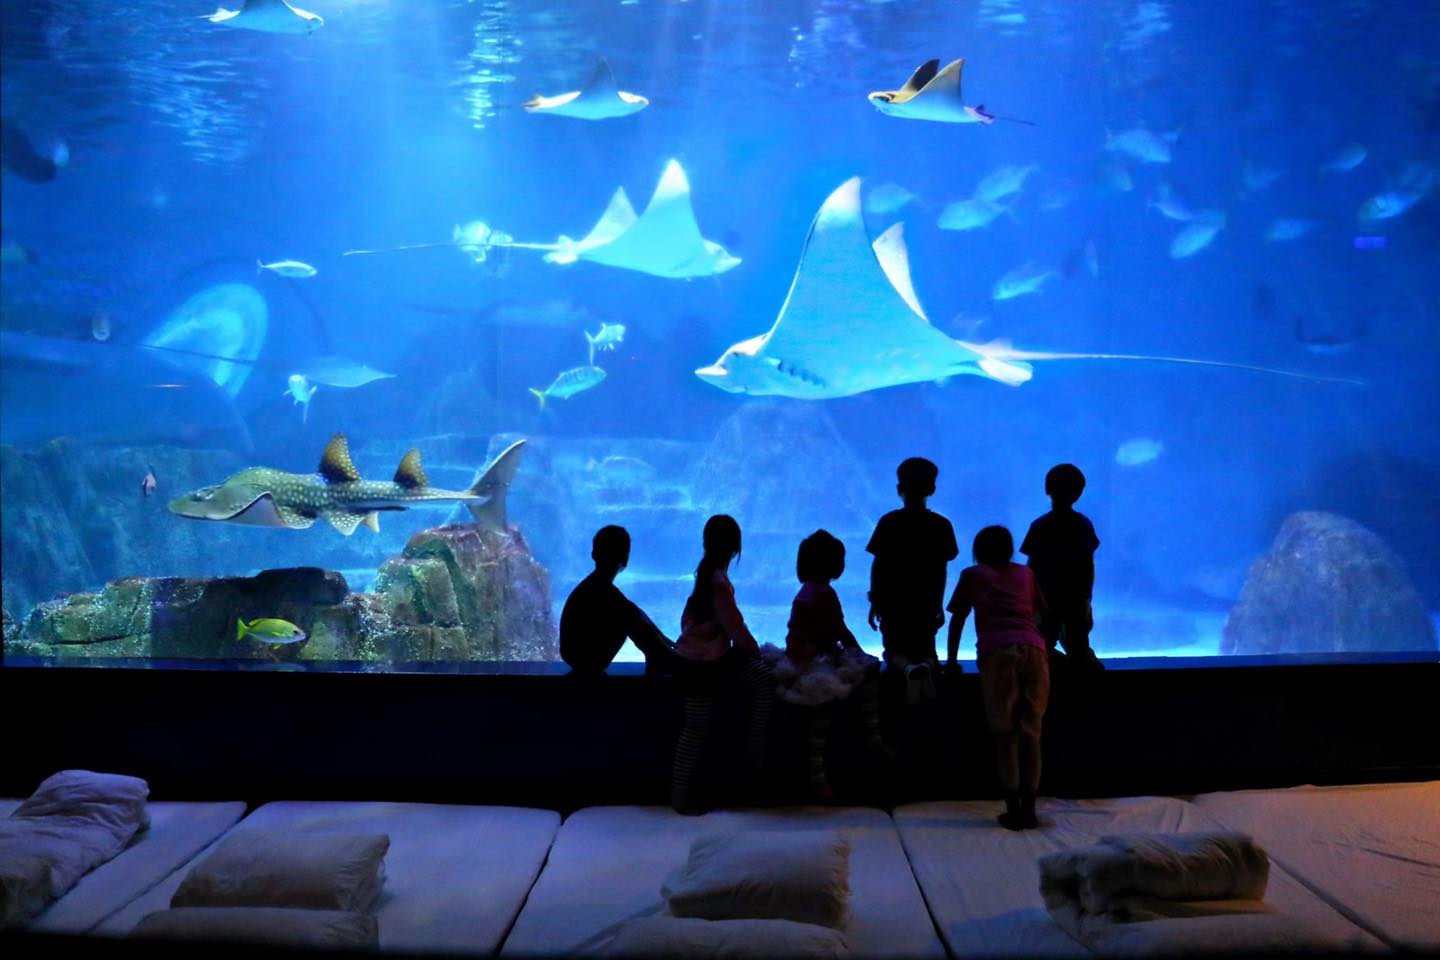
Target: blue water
x,y
196,149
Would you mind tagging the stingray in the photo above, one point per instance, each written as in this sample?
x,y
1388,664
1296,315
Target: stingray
x,y
933,94
599,99
268,16
663,241
228,320
852,323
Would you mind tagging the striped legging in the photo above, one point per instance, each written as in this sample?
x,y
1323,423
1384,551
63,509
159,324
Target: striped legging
x,y
759,681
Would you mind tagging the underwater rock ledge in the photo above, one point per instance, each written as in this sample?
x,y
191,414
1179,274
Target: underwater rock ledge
x,y
455,593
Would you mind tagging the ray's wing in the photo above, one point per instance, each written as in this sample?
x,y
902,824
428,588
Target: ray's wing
x,y
851,320
666,236
619,216
946,83
601,82
923,75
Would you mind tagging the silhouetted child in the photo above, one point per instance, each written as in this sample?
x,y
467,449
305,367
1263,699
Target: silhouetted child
x,y
597,617
822,664
912,547
715,647
1014,664
1061,549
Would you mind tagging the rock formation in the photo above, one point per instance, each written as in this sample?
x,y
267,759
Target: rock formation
x,y
1328,585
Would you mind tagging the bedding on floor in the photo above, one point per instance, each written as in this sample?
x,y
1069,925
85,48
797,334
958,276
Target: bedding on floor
x,y
176,833
982,882
1372,852
75,821
609,864
455,876
273,926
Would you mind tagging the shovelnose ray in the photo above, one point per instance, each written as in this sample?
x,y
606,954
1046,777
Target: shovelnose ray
x,y
268,16
599,99
663,241
852,323
933,94
261,496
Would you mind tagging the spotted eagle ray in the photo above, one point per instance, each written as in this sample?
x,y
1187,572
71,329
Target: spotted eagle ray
x,y
599,99
933,94
268,16
663,241
261,496
852,323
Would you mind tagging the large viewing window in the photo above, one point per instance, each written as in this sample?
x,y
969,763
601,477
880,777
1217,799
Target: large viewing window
x,y
638,262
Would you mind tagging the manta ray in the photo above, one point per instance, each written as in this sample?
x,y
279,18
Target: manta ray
x,y
931,94
664,240
264,497
852,323
599,99
268,16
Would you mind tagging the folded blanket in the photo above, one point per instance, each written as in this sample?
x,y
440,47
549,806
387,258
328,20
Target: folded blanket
x,y
318,871
275,926
801,875
72,823
693,939
1264,935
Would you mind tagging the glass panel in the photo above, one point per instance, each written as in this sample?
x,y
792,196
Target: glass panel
x,y
1188,248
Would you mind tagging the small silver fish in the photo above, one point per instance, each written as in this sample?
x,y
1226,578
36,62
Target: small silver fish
x,y
1198,235
1142,144
1138,452
887,198
1346,160
1389,204
294,269
1170,206
970,214
1257,176
100,325
1289,228
148,484
605,338
300,391
1001,183
1027,278
570,382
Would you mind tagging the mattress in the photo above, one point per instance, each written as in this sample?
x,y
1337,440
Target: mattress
x,y
1372,852
982,882
178,831
608,864
455,876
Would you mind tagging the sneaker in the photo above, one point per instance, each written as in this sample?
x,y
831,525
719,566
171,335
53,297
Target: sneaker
x,y
919,684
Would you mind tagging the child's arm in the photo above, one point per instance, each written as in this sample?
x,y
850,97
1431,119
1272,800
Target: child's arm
x,y
959,608
728,613
877,581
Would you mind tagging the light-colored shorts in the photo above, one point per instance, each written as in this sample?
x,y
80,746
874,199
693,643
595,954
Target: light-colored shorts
x,y
1015,684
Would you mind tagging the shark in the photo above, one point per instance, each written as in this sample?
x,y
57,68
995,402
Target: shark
x,y
265,497
600,99
852,323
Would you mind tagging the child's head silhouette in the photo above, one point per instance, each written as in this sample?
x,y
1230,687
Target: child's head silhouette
x,y
916,478
993,546
821,558
611,548
721,538
1064,484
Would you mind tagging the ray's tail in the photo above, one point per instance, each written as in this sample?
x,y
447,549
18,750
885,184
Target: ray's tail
x,y
1189,361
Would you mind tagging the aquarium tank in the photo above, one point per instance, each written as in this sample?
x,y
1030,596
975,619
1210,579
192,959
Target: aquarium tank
x,y
639,262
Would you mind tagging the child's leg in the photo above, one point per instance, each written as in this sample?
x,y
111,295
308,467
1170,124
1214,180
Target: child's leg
x,y
1007,762
819,738
698,710
1079,621
759,679
1030,705
868,694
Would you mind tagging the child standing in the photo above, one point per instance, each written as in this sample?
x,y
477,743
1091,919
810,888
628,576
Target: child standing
x,y
1061,548
912,547
822,663
1014,665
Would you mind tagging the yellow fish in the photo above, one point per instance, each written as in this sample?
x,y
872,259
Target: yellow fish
x,y
269,630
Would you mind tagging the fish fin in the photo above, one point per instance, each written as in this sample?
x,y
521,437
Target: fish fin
x,y
344,521
539,395
410,474
923,74
335,463
293,519
241,628
602,80
492,485
372,520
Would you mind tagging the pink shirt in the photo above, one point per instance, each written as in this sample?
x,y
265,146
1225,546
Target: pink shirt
x,y
710,639
1005,601
817,624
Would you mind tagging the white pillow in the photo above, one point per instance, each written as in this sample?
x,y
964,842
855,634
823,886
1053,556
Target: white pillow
x,y
800,875
318,871
275,926
111,800
688,937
